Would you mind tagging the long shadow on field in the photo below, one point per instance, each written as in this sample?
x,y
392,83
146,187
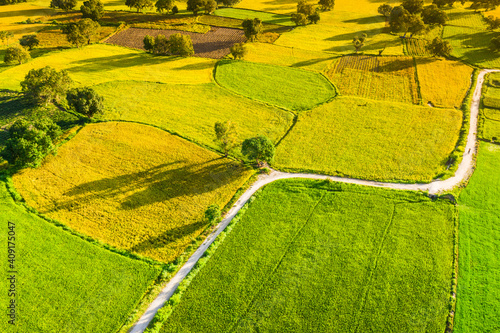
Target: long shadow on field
x,y
169,236
312,61
155,185
117,61
25,12
367,20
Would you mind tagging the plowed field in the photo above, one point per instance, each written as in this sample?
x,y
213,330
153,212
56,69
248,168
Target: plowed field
x,y
214,44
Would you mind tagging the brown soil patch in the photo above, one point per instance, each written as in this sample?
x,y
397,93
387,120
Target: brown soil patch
x,y
214,44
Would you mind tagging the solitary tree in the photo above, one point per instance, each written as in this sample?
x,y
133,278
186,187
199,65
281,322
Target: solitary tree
x,y
16,55
359,42
238,50
439,47
139,4
252,28
29,142
413,6
195,6
164,5
260,149
92,9
326,5
385,10
45,85
433,15
81,32
29,41
85,101
210,6
226,136
63,4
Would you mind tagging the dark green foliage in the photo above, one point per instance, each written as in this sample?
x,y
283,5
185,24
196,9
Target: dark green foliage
x,y
385,10
314,18
139,4
397,18
181,45
359,42
161,45
164,5
238,50
305,8
210,6
213,213
495,44
260,149
85,101
195,6
175,10
16,55
413,6
433,15
45,85
10,2
81,32
439,47
252,28
299,18
92,9
226,135
29,41
493,22
149,43
415,25
485,4
442,3
63,4
326,5
29,142
229,3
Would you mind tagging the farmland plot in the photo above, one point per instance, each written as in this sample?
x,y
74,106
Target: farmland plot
x,y
415,47
132,186
312,257
383,78
214,44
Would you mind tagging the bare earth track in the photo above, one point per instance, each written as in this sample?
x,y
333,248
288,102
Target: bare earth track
x,y
463,173
214,44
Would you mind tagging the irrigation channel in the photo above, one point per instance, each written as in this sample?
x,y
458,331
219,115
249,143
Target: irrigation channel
x,y
464,171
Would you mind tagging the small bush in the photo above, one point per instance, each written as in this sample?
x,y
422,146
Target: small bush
x,y
213,213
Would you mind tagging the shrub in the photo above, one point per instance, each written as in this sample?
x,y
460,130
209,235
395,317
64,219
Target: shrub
x,y
45,85
238,50
16,54
181,45
213,213
92,9
29,41
85,101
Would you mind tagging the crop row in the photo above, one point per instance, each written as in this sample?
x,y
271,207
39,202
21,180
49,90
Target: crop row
x,y
415,47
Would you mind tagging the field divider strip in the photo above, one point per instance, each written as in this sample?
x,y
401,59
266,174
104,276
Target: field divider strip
x,y
275,269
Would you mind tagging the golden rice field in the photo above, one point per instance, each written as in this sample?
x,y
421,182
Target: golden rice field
x,y
383,78
132,186
192,110
443,83
101,63
361,138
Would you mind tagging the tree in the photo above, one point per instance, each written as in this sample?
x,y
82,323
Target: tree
x,y
16,54
149,43
139,4
92,9
161,45
495,44
10,2
81,32
29,41
413,6
213,213
299,19
85,101
314,18
238,50
414,25
226,136
485,4
229,3
442,3
252,28
385,10
433,15
164,5
29,142
181,45
195,6
259,149
5,36
210,6
45,85
326,5
493,22
439,47
398,18
175,10
359,42
63,4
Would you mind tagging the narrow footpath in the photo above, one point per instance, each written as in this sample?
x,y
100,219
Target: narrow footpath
x,y
463,173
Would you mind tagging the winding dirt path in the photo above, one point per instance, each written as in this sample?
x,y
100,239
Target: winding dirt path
x,y
464,171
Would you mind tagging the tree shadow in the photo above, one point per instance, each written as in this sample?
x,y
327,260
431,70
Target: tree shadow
x,y
312,61
367,20
20,13
116,61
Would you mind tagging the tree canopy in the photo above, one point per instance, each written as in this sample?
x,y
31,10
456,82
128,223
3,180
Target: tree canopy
x,y
260,149
29,41
63,4
85,101
16,55
433,15
252,28
226,136
439,47
45,85
164,5
92,9
139,4
81,32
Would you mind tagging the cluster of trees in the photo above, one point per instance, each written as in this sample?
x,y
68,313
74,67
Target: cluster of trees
x,y
82,32
484,4
92,9
177,44
412,17
196,6
21,55
63,4
252,28
260,148
31,140
307,13
9,2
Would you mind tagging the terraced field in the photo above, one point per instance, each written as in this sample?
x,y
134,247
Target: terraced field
x,y
132,186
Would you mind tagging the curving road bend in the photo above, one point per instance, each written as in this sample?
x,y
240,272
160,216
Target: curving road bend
x,y
464,171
